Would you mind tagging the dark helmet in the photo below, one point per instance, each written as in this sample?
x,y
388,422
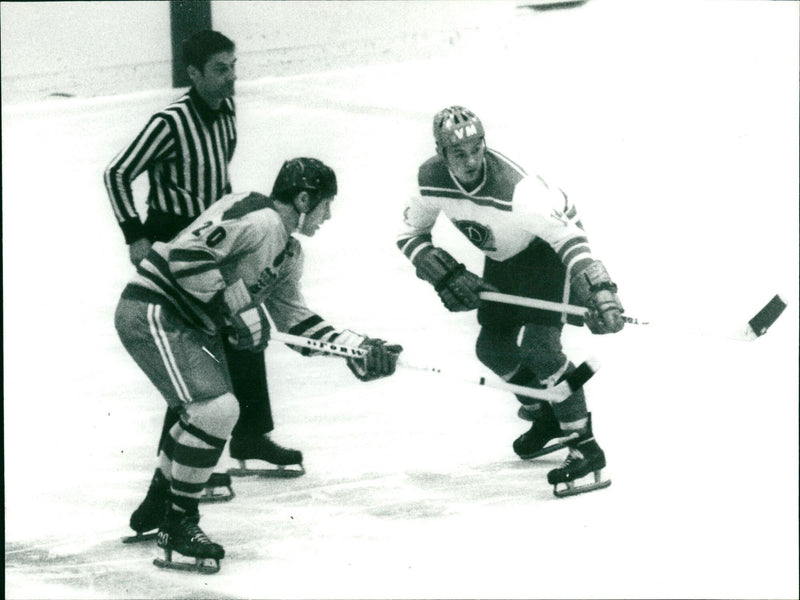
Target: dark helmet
x,y
308,174
455,124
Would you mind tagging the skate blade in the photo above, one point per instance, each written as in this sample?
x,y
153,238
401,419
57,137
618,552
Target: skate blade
x,y
558,445
139,537
276,472
212,496
206,566
573,490
217,489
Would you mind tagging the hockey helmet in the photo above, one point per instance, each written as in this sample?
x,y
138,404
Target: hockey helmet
x,y
454,125
304,174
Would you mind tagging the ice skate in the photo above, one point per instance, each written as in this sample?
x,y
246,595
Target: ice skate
x,y
544,436
585,458
218,488
149,514
180,534
284,462
146,519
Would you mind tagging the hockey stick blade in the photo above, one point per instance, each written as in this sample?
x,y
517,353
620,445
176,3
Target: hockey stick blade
x,y
756,327
582,373
555,394
767,316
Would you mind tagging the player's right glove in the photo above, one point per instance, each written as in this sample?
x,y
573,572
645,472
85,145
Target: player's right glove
x,y
380,360
246,323
595,290
249,328
458,288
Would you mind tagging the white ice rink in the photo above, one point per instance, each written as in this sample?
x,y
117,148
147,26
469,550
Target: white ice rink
x,y
673,126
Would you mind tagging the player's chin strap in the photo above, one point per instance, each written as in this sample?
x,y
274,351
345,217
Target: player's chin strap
x,y
756,327
558,393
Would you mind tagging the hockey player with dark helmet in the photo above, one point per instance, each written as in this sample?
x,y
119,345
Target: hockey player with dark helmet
x,y
305,182
233,275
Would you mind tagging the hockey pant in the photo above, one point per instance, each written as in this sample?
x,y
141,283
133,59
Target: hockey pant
x,y
188,367
537,360
249,379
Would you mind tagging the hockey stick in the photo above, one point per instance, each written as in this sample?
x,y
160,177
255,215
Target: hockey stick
x,y
558,393
569,309
756,327
573,381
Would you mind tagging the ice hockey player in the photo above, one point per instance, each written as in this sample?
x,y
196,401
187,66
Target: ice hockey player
x,y
225,275
186,150
534,246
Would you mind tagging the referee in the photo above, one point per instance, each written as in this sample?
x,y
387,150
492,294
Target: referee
x,y
186,149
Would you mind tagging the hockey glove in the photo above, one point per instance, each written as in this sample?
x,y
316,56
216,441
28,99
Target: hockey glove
x,y
596,291
457,287
249,328
380,360
246,322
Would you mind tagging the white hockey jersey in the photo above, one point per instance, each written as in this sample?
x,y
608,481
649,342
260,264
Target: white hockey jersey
x,y
502,216
240,237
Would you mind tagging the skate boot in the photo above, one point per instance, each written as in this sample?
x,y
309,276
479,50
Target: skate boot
x,y
534,442
261,447
585,458
218,488
148,516
180,533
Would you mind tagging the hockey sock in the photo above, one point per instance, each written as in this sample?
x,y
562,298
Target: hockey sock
x,y
183,504
572,414
195,443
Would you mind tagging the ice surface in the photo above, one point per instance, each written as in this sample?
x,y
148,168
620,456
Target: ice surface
x,y
674,128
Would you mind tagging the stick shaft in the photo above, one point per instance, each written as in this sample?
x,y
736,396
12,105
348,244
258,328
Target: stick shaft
x,y
318,345
569,309
555,394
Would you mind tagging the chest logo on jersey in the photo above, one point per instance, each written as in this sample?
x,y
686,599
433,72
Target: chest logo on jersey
x,y
480,235
270,274
265,279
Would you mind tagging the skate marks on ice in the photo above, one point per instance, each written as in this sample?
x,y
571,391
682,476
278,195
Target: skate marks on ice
x,y
99,569
111,569
416,494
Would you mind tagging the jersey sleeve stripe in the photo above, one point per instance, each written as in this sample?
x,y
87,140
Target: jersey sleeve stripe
x,y
411,246
577,265
457,195
573,245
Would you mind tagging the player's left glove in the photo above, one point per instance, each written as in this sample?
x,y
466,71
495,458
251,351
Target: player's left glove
x,y
595,290
380,360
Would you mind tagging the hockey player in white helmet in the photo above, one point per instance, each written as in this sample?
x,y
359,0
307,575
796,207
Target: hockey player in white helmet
x,y
231,270
534,246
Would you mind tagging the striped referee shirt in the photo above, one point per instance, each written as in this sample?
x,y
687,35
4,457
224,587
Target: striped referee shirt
x,y
185,149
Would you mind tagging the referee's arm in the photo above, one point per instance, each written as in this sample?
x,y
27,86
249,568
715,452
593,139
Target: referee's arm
x,y
153,142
